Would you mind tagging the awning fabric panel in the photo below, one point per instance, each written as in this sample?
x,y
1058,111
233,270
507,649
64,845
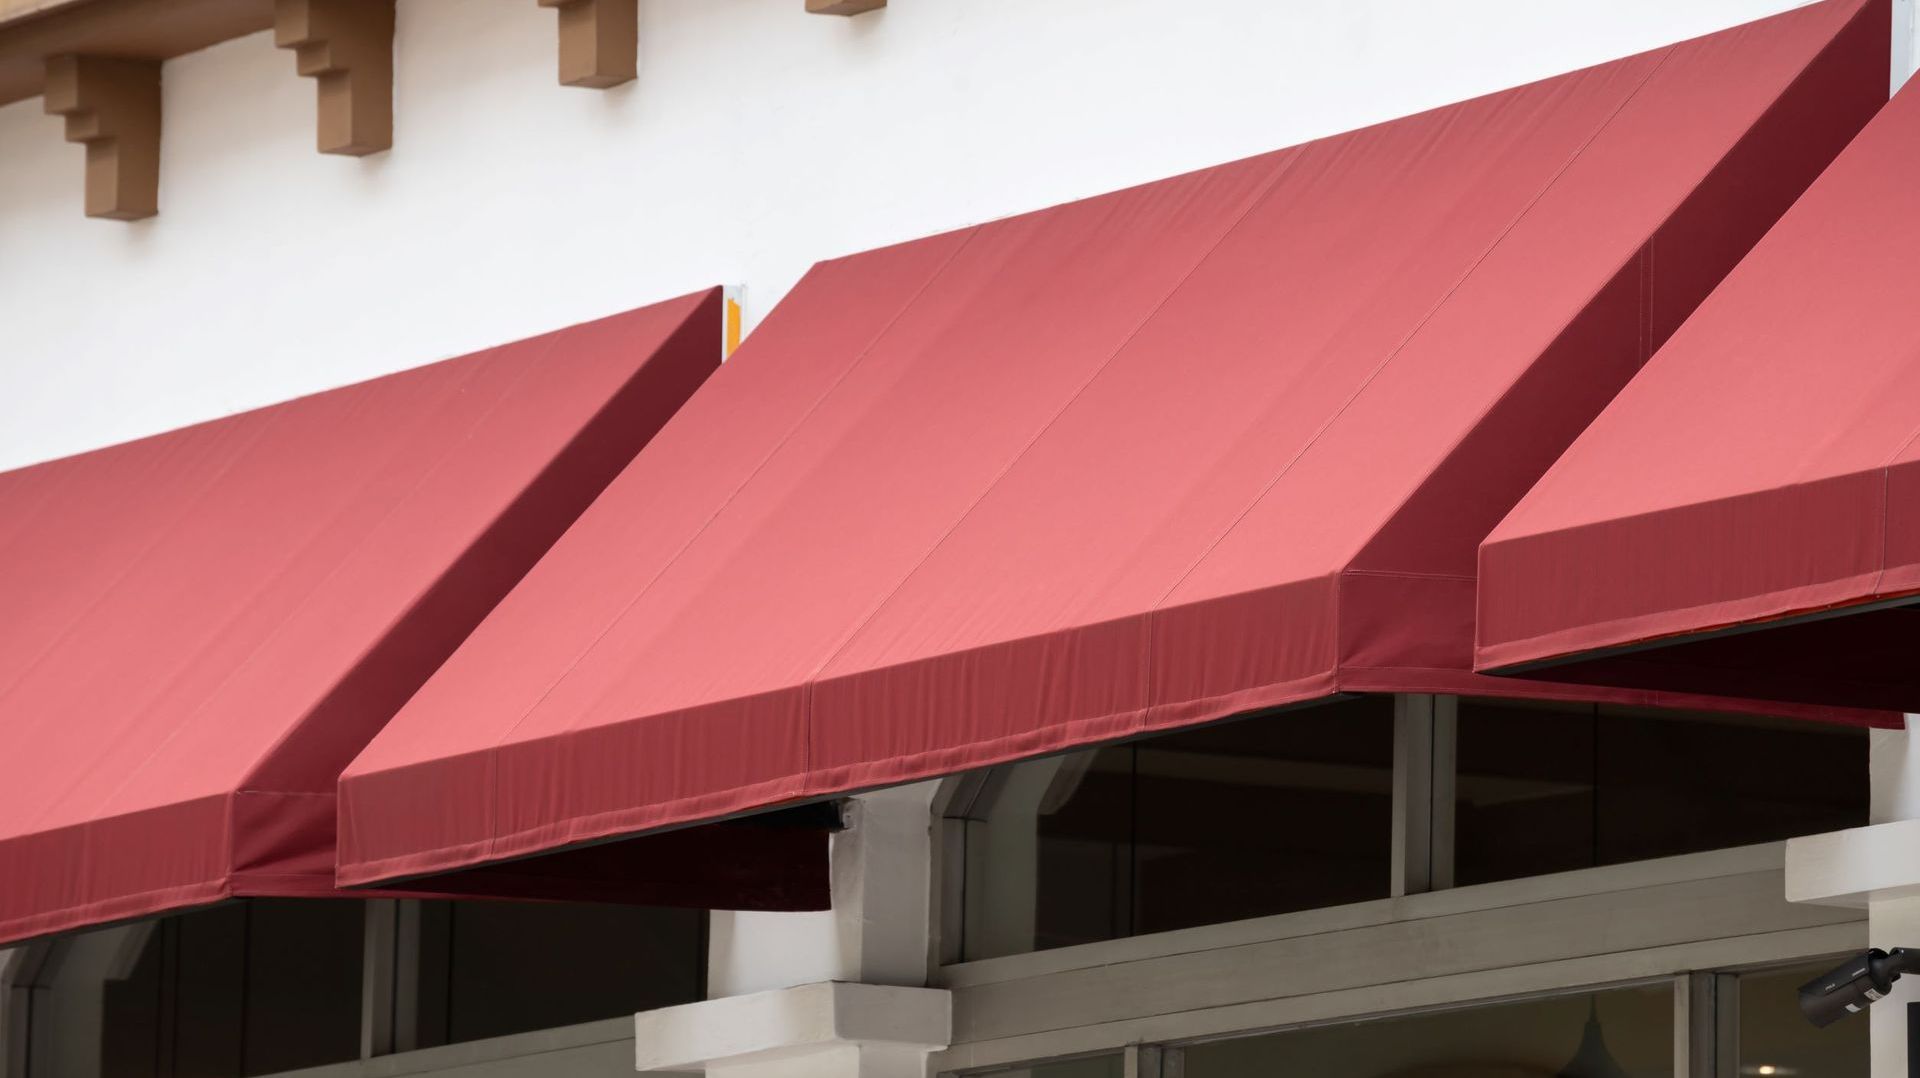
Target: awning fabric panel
x,y
1764,465
203,627
1141,460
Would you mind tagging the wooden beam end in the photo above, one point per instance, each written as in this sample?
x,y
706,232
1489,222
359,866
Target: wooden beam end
x,y
346,46
599,41
112,107
843,7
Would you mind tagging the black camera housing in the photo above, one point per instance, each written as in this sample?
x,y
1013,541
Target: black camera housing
x,y
1855,984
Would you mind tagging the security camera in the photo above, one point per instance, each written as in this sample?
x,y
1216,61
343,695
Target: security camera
x,y
1855,984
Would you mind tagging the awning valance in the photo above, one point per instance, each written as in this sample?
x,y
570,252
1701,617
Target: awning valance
x,y
1219,443
1746,516
198,630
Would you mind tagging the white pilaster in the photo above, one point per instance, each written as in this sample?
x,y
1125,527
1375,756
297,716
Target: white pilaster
x,y
835,994
878,931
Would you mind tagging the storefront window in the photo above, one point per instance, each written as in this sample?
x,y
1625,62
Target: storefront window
x,y
1104,1066
1624,1032
1776,1041
269,985
1548,787
489,969
1264,815
1620,1033
1112,1066
249,988
1293,811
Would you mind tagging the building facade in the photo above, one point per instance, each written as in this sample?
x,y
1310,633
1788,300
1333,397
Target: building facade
x,y
1044,647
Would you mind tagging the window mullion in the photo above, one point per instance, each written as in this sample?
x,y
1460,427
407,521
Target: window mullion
x,y
1442,790
1413,793
1706,1026
377,978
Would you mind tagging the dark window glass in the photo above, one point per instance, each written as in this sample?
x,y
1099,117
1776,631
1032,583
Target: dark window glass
x,y
266,985
1776,1040
303,984
208,955
1108,1066
270,985
1550,787
489,969
132,1008
247,988
1609,1034
1264,815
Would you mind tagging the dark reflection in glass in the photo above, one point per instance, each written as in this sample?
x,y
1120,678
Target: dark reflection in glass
x,y
1620,1033
270,985
303,984
1108,1066
1776,1041
1264,815
489,969
247,988
1546,787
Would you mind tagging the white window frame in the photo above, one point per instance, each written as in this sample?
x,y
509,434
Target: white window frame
x,y
1667,919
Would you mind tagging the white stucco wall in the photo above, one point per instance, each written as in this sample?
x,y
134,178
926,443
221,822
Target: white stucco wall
x,y
756,140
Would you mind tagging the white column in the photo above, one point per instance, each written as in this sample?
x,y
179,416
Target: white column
x,y
1906,42
879,929
837,993
1876,868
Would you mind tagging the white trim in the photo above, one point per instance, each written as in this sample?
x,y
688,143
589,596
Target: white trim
x,y
1627,923
1738,860
1904,33
1879,862
1381,1001
590,1048
792,1024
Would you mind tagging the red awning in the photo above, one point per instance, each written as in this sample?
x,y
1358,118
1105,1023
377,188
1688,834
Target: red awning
x,y
1762,472
201,628
1223,442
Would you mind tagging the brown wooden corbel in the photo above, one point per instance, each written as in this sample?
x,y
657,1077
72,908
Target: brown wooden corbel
x,y
113,107
347,46
843,7
599,41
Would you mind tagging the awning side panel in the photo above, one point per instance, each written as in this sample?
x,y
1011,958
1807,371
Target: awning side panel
x,y
1560,311
204,626
1748,474
434,780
